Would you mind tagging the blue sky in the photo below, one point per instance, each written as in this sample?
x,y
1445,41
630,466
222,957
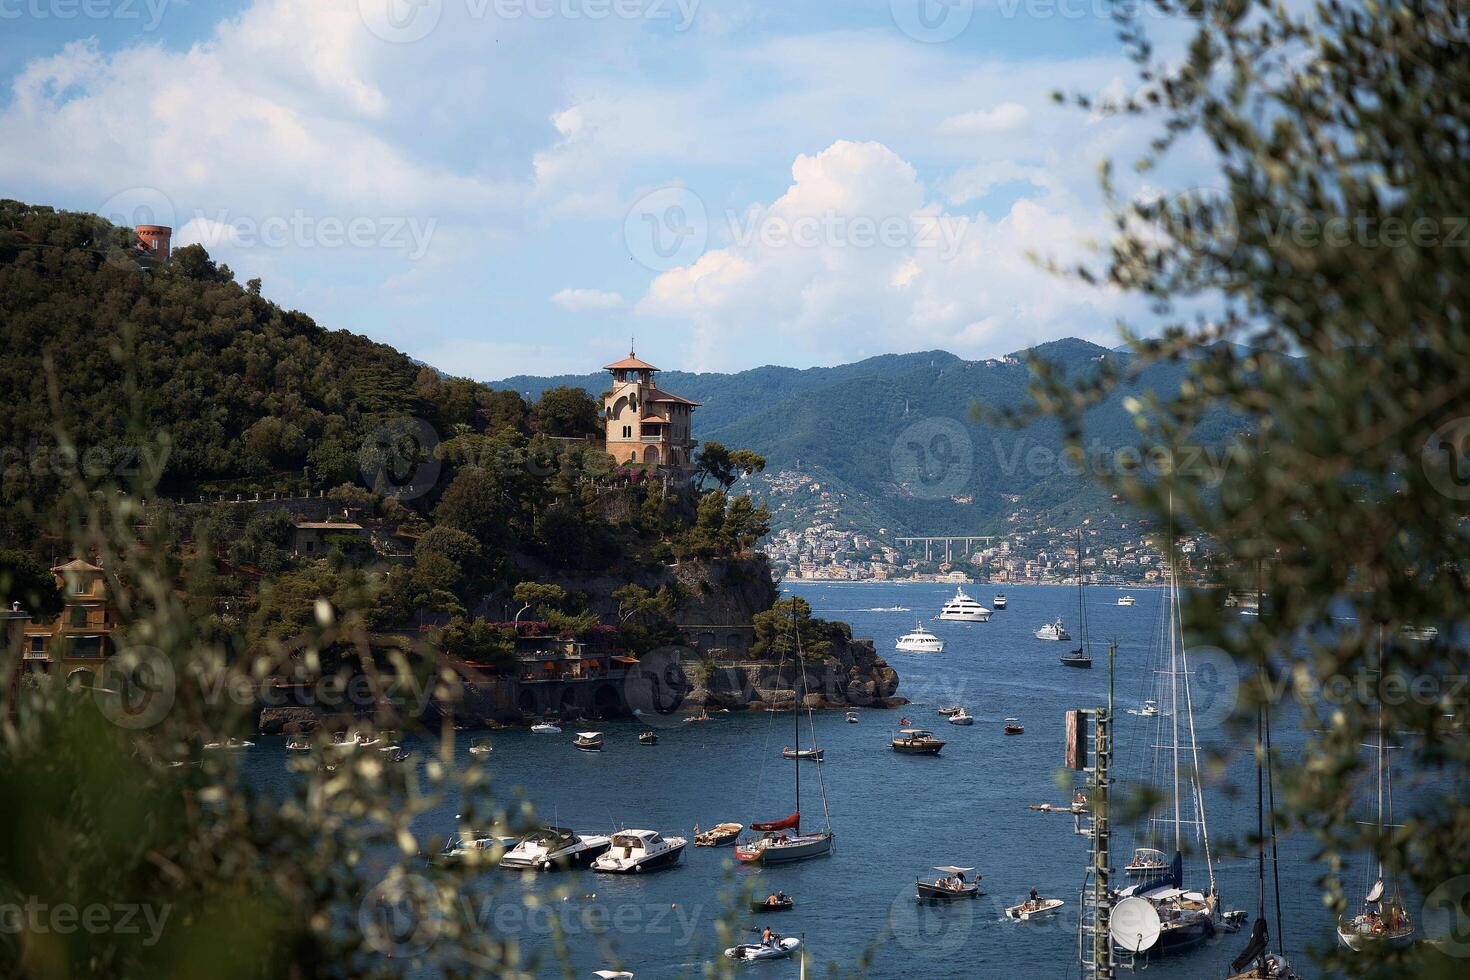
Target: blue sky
x,y
518,186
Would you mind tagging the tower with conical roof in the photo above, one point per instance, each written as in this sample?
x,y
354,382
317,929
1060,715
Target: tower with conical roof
x,y
645,424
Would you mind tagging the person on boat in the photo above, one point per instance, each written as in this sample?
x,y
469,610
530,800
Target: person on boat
x,y
903,721
1035,899
768,938
773,899
780,897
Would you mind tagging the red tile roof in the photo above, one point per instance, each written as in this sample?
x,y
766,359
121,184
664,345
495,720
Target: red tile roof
x,y
630,363
654,419
659,395
76,565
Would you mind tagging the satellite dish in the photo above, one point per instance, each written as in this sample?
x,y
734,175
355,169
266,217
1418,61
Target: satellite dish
x,y
1135,924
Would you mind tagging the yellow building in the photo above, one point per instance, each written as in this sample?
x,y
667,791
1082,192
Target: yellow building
x,y
646,424
74,646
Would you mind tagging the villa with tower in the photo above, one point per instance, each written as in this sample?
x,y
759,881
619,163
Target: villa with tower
x,y
646,424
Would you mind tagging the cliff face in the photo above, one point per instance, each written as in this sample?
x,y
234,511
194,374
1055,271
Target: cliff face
x,y
851,675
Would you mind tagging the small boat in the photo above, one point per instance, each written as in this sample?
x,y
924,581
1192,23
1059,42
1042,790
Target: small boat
x,y
702,716
473,847
365,738
962,717
298,745
545,728
633,851
916,741
1150,709
890,609
647,738
341,742
612,975
1014,727
963,609
783,903
554,847
811,755
1126,600
1053,631
999,602
720,835
778,949
231,744
1077,658
588,741
919,641
954,885
950,709
1146,861
1034,909
481,746
852,717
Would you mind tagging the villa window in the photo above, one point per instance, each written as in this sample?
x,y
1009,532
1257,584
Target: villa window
x,y
79,615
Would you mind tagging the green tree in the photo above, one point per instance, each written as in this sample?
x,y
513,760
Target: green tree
x,y
544,598
26,581
567,411
776,631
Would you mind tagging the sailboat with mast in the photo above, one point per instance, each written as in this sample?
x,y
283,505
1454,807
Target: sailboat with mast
x,y
1189,917
781,841
1082,656
1382,919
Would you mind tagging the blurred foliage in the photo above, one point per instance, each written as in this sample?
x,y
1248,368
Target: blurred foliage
x,y
1321,296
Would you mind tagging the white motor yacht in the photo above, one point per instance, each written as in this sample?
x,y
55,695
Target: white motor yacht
x,y
963,609
554,847
640,850
1126,600
1053,631
999,602
962,717
920,641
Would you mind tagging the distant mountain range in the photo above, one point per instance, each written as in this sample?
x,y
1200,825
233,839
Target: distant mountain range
x,y
891,442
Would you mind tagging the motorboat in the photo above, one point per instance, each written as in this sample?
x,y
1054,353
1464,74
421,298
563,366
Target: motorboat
x,y
1053,631
810,755
962,717
950,709
545,728
702,716
632,851
365,739
779,902
852,717
1146,862
916,741
554,847
612,975
481,746
1150,709
999,602
954,885
779,948
588,741
472,848
889,609
298,745
648,738
230,744
920,641
1034,908
720,835
1014,727
963,609
1126,600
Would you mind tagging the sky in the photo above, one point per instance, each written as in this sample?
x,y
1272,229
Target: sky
x,y
500,187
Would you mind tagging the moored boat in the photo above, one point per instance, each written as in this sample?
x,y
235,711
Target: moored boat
x,y
852,717
720,835
472,848
481,746
919,641
1126,600
963,609
999,602
810,755
545,728
962,717
588,741
551,848
916,741
1013,726
952,886
1053,631
648,738
633,851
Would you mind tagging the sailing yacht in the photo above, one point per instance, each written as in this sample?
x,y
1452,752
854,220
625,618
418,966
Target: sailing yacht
x,y
781,841
1189,918
1082,656
1382,920
963,609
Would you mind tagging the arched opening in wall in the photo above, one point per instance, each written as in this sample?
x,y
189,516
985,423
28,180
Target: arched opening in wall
x,y
618,407
735,641
707,641
606,703
81,679
650,455
569,705
527,702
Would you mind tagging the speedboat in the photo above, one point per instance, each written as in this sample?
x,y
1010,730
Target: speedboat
x,y
633,851
553,847
852,717
778,949
481,746
545,728
954,885
720,835
1053,631
962,717
648,738
1126,600
963,609
472,847
999,602
1014,727
1150,709
588,741
1034,909
920,641
811,755
916,741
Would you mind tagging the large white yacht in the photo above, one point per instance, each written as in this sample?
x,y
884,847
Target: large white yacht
x,y
963,609
1053,631
640,850
553,847
920,641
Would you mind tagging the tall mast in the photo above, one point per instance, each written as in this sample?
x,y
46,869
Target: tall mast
x,y
1382,758
1174,677
796,709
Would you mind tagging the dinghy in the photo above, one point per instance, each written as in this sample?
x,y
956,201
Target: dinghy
x,y
720,835
778,950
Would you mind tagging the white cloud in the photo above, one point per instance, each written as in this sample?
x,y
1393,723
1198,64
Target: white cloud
x,y
588,300
980,122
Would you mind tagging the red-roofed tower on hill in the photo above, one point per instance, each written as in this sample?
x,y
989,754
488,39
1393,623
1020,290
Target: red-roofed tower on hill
x,y
646,424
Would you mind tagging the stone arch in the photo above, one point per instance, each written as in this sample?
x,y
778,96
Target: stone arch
x,y
650,455
606,701
528,702
622,403
735,641
569,700
707,641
